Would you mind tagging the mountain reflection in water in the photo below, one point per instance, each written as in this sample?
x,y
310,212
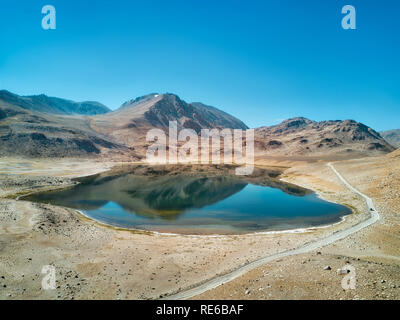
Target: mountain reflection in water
x,y
194,202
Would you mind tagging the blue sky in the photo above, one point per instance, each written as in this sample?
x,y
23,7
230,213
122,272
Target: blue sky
x,y
262,61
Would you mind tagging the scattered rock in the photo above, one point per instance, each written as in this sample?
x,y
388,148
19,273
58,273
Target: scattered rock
x,y
341,271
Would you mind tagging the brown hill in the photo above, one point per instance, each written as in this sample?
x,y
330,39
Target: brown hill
x,y
39,127
156,110
303,137
25,132
129,124
30,127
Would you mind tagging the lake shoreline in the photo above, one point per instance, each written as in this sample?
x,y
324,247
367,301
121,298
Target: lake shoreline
x,y
274,224
163,263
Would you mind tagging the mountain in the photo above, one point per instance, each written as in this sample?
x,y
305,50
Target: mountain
x,y
303,137
41,126
129,124
51,105
156,110
139,100
219,118
392,136
24,131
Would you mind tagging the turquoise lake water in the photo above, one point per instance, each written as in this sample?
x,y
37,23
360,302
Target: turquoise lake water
x,y
194,205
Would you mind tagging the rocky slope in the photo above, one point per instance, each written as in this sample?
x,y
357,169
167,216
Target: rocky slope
x,y
156,110
24,132
130,123
392,136
40,126
303,137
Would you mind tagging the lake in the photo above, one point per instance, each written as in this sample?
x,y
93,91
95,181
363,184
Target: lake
x,y
194,204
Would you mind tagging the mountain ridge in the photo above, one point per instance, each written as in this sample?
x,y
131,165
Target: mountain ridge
x,y
159,109
53,105
301,136
54,132
130,123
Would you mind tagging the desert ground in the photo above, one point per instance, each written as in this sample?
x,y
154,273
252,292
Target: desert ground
x,y
94,261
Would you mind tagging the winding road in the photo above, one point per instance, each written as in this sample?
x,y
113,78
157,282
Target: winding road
x,y
219,280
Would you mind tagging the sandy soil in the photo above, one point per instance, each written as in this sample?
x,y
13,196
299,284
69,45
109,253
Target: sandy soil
x,y
98,262
374,252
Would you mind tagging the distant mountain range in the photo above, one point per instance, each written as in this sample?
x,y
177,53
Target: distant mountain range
x,y
43,103
392,136
41,126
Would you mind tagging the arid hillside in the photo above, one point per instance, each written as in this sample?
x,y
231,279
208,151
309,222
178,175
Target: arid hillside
x,y
301,137
130,123
40,126
26,132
